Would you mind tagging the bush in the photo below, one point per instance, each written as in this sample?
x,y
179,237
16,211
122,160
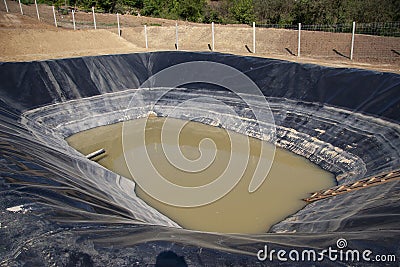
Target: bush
x,y
243,11
212,16
192,10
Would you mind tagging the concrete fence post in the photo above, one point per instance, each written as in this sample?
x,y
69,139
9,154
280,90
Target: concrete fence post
x,y
176,36
20,7
254,37
54,16
119,27
73,18
299,41
352,41
145,36
94,18
37,10
212,37
5,3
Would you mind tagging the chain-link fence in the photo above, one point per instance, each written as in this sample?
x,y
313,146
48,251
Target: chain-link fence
x,y
371,42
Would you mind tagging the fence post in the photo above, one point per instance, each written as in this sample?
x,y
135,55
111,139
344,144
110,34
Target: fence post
x,y
20,7
299,41
37,10
176,36
73,18
145,36
54,15
94,18
254,37
212,36
352,41
119,28
5,3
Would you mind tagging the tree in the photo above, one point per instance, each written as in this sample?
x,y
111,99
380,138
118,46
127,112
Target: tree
x,y
106,5
212,15
191,10
247,11
243,11
131,3
373,11
274,11
152,7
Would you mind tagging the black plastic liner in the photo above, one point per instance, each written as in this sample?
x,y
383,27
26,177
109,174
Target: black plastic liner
x,y
75,213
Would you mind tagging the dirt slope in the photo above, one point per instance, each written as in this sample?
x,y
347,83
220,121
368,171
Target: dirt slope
x,y
23,39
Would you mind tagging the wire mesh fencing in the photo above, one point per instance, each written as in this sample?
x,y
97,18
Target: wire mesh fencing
x,y
330,41
375,41
277,39
371,42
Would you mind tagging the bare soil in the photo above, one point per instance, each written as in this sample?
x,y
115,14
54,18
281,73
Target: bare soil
x,y
20,44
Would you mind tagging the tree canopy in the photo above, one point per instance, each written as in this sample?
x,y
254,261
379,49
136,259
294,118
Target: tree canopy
x,y
247,11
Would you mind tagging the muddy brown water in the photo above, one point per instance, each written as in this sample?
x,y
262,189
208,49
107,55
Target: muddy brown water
x,y
291,177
